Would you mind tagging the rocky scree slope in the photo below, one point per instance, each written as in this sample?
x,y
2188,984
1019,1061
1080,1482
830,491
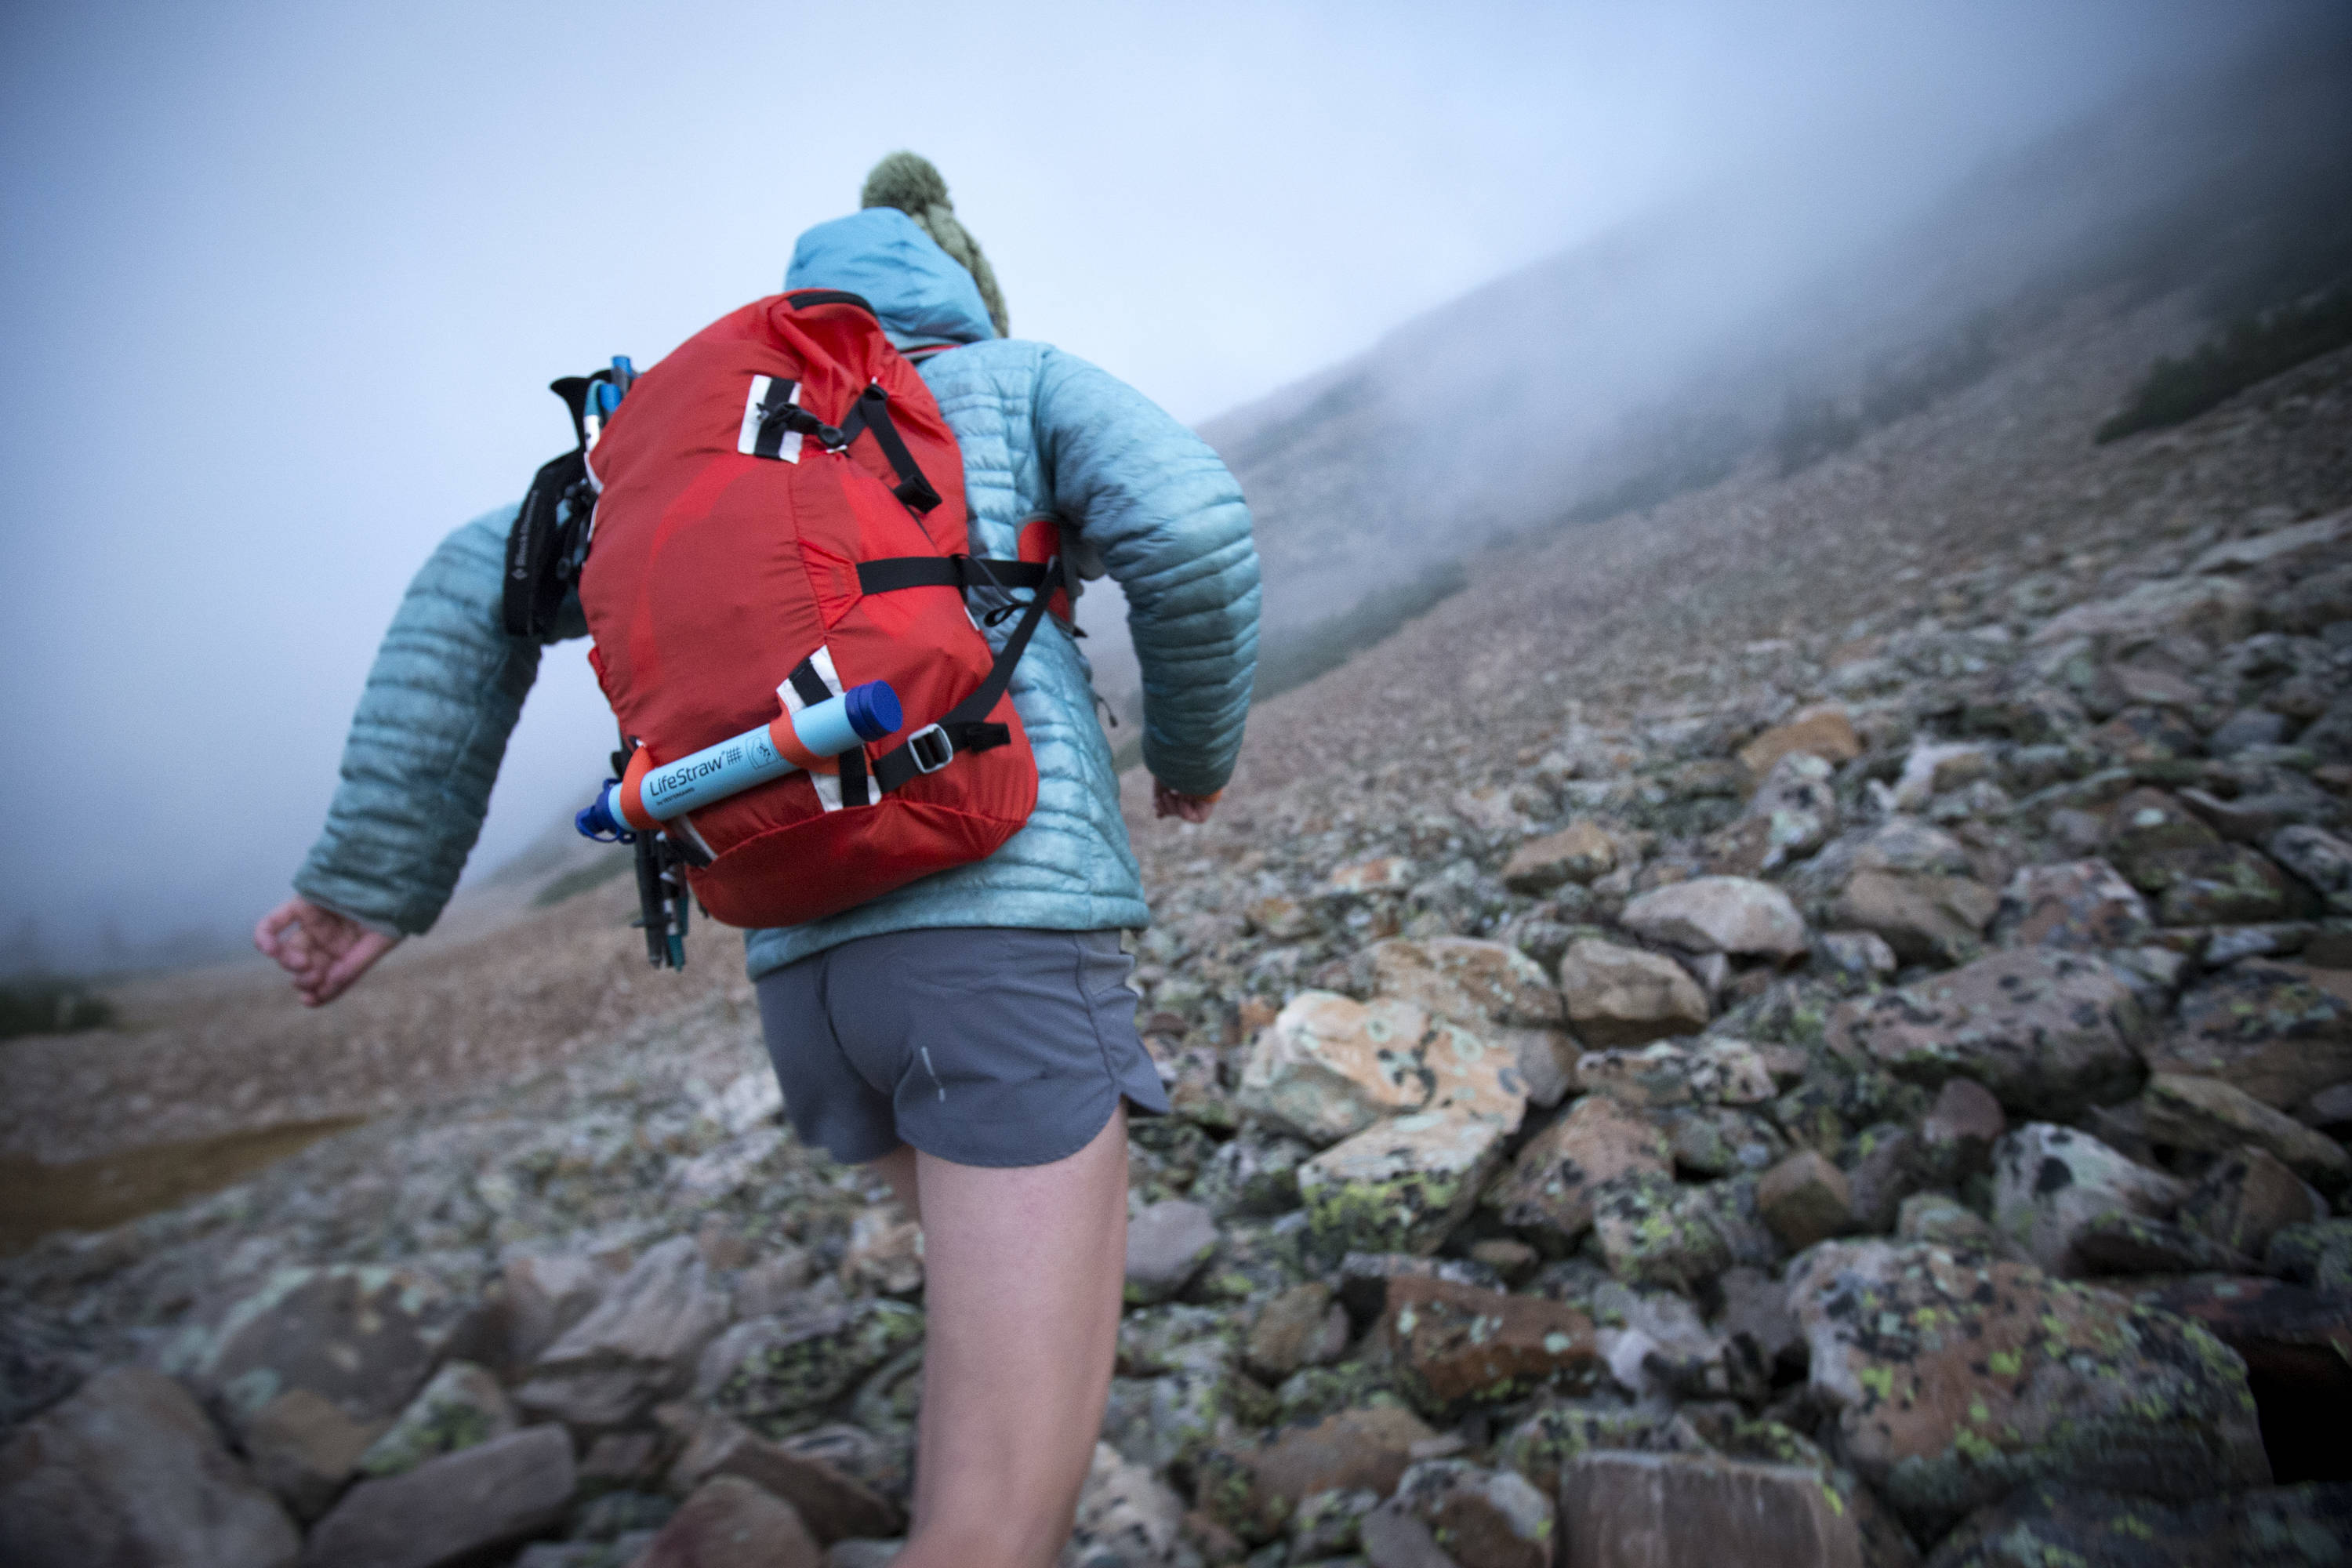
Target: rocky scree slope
x,y
1813,1024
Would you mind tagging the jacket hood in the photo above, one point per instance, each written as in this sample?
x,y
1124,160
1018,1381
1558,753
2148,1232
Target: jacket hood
x,y
919,291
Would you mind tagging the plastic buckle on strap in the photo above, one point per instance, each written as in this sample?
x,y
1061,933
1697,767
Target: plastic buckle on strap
x,y
930,749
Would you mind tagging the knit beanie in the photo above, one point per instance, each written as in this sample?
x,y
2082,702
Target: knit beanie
x,y
908,182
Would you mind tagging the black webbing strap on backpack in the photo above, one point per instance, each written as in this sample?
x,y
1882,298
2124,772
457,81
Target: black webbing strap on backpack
x,y
872,412
965,727
961,573
850,765
544,546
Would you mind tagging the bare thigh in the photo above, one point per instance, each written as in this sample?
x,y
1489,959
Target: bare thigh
x,y
1022,1271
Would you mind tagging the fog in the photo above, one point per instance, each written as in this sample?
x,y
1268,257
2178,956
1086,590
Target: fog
x,y
286,284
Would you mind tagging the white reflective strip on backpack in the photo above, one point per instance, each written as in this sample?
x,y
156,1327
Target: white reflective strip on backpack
x,y
747,440
828,784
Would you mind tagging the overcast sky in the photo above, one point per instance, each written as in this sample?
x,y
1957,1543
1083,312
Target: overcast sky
x,y
285,284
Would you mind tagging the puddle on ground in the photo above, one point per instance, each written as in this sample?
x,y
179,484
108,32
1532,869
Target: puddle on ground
x,y
94,1195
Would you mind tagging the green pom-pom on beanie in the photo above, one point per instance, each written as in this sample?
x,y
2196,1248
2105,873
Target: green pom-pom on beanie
x,y
908,182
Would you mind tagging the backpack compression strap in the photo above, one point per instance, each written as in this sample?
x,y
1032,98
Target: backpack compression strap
x,y
964,727
870,412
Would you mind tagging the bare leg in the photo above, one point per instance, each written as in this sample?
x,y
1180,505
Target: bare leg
x,y
1022,1272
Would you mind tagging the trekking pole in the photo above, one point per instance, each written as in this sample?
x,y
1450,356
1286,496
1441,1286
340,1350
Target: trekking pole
x,y
644,796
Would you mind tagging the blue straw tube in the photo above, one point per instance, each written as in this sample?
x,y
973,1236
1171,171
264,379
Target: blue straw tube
x,y
825,729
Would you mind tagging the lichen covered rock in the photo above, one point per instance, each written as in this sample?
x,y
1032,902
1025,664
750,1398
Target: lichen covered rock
x,y
1400,1187
1955,1378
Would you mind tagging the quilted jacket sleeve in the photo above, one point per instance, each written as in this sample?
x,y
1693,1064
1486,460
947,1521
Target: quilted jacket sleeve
x,y
440,701
1172,528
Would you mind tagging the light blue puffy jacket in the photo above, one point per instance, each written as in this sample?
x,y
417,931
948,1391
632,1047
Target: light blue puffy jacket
x,y
1041,432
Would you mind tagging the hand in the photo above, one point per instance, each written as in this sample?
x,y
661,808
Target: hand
x,y
1166,802
324,951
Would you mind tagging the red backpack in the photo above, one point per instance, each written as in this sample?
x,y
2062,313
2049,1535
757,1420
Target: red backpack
x,y
778,516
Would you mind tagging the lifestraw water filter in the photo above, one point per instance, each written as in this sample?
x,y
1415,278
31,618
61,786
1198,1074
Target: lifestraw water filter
x,y
649,796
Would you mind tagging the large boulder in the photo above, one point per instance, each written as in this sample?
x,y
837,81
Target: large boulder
x,y
2281,1032
1400,1187
2166,851
2053,1185
1956,1376
1330,1066
1733,915
2052,1523
362,1337
1624,996
636,1348
1911,885
1461,979
128,1471
2048,1032
452,1510
1550,1187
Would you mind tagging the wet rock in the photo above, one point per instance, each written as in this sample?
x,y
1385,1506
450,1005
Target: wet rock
x,y
777,1367
1825,731
2085,905
636,1348
1126,1517
462,1405
834,1504
1958,1135
1303,1326
2321,860
1166,1244
1253,1174
1454,1346
1720,914
1400,1187
1653,1511
2317,1255
2245,1199
1461,980
2214,1117
1577,853
1623,996
2281,1527
362,1337
1955,1378
1474,1515
728,1522
128,1470
451,1509
1330,1066
1253,1488
2281,1032
2048,1032
2050,1184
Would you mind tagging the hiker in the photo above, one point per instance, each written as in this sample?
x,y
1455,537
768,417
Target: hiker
x,y
971,1036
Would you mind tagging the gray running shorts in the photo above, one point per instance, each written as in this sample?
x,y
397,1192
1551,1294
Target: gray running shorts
x,y
985,1046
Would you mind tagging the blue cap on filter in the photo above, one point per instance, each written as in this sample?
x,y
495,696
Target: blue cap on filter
x,y
873,710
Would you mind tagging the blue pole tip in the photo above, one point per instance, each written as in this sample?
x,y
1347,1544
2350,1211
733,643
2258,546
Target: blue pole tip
x,y
873,710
